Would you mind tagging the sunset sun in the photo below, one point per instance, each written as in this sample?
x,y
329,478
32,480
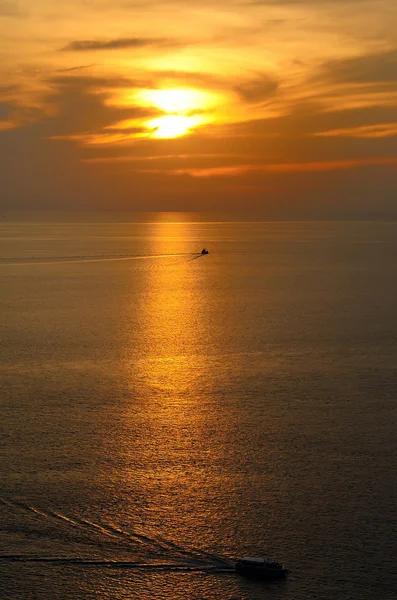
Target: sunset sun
x,y
174,100
171,126
184,110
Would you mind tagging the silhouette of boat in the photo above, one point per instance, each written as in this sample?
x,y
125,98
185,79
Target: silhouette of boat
x,y
204,251
260,568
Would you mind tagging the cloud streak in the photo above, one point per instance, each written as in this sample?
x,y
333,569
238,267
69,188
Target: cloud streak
x,y
79,68
380,67
382,130
304,167
258,89
113,44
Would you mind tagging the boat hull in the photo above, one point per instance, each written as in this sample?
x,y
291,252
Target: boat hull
x,y
261,573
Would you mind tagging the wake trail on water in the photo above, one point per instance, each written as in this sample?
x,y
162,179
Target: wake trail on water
x,y
115,564
207,559
40,260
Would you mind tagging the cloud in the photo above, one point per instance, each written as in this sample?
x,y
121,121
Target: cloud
x,y
116,44
382,130
257,90
37,166
14,115
102,138
75,68
300,167
76,106
5,110
92,82
79,105
370,68
9,8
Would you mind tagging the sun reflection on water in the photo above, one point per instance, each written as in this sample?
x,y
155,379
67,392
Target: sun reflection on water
x,y
171,321
179,440
170,373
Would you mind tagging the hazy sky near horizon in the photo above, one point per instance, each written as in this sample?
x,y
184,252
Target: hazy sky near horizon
x,y
284,106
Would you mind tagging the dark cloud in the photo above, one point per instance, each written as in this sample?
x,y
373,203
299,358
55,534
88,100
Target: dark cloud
x,y
14,114
307,119
370,68
127,131
39,161
75,68
116,44
75,106
78,105
9,89
94,82
257,90
9,8
5,111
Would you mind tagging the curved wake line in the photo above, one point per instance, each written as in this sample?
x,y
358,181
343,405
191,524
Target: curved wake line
x,y
116,564
110,530
41,260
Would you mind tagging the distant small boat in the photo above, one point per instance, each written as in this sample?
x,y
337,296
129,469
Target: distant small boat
x,y
204,251
260,568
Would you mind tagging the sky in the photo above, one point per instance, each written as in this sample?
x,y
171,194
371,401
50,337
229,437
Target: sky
x,y
283,107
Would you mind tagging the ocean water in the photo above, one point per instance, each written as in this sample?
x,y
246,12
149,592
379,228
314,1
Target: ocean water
x,y
164,413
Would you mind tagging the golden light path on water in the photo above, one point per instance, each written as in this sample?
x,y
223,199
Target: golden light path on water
x,y
173,380
172,333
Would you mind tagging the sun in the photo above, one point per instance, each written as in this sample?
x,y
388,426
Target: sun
x,y
176,100
171,126
184,108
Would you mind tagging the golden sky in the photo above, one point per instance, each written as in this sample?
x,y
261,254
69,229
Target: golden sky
x,y
288,107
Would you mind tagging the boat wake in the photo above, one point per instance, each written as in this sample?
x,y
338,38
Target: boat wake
x,y
116,564
92,258
149,552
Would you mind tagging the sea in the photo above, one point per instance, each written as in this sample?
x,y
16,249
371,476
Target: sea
x,y
164,413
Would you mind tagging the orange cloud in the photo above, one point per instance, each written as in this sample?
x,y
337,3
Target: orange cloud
x,y
7,125
308,167
366,131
